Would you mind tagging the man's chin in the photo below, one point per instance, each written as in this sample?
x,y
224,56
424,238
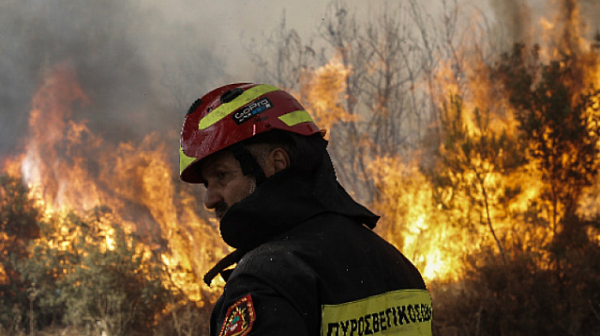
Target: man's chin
x,y
220,214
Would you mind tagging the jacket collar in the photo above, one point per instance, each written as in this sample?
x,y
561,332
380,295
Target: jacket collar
x,y
284,201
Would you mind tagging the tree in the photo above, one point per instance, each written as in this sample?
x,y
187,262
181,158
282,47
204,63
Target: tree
x,y
382,65
559,121
474,166
18,225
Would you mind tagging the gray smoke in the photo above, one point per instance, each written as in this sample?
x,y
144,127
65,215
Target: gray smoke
x,y
590,9
515,17
136,79
141,63
519,20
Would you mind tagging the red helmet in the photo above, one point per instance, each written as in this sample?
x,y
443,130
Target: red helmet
x,y
232,114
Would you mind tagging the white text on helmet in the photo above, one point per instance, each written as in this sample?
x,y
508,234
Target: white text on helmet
x,y
251,110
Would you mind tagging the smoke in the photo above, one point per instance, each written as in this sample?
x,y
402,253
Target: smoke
x,y
141,63
135,77
515,16
591,10
519,20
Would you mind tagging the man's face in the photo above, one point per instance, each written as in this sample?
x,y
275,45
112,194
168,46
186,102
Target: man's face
x,y
225,182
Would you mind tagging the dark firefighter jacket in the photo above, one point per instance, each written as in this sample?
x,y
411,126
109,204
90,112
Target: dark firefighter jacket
x,y
310,265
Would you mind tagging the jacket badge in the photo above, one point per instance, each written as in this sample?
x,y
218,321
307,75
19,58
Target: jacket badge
x,y
240,318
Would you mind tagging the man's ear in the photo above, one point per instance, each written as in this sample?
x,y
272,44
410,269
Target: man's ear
x,y
279,159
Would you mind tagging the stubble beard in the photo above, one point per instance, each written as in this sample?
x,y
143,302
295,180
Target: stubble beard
x,y
223,207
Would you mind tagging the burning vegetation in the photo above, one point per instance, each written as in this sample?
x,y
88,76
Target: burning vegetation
x,y
482,163
112,242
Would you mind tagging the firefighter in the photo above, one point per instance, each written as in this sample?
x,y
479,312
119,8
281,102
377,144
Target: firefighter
x,y
306,259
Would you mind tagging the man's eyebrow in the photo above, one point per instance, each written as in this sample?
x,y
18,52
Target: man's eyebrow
x,y
213,167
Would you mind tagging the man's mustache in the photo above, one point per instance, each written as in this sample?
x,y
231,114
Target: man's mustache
x,y
221,209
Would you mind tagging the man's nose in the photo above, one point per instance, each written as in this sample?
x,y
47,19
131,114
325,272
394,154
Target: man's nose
x,y
212,197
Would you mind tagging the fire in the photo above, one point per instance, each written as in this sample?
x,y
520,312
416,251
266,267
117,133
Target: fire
x,y
405,200
410,218
323,90
69,168
487,197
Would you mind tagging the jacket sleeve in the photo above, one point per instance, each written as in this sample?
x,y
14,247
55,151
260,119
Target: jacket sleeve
x,y
252,306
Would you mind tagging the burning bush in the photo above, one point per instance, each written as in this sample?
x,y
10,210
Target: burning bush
x,y
89,272
84,273
18,225
77,271
547,279
521,298
116,270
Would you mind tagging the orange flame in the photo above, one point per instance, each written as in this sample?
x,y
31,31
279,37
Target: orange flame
x,y
323,92
69,168
413,215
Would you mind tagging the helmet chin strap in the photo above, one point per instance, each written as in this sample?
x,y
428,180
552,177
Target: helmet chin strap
x,y
248,163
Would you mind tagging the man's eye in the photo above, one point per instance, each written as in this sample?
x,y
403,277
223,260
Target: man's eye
x,y
221,175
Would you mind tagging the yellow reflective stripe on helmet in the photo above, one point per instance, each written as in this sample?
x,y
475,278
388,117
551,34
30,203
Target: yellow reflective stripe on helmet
x,y
295,118
184,160
225,109
400,312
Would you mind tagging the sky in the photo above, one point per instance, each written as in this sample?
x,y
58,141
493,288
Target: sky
x,y
142,62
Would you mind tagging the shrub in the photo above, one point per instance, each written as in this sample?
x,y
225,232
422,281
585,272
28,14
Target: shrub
x,y
90,273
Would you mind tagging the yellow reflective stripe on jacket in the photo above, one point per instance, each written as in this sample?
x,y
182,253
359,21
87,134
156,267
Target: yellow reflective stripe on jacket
x,y
295,118
226,109
401,312
184,160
